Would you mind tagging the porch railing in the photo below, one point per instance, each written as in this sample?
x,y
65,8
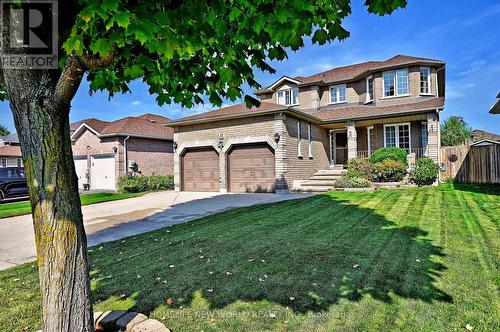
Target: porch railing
x,y
418,152
362,154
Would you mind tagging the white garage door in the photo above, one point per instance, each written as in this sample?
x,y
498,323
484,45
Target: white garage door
x,y
102,172
81,168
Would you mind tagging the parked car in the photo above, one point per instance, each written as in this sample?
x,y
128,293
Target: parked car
x,y
13,183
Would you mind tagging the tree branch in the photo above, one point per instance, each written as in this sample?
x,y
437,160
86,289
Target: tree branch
x,y
69,81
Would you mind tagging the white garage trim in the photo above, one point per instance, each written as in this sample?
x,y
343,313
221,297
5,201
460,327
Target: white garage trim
x,y
250,139
102,172
197,144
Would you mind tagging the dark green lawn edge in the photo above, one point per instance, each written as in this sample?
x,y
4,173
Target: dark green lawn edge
x,y
23,208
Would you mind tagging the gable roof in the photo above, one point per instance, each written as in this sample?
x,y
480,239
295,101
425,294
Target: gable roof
x,y
234,110
326,114
485,142
96,125
355,71
146,126
478,133
495,109
132,126
155,118
10,151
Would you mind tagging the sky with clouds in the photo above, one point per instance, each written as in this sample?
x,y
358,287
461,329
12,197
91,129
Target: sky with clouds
x,y
464,33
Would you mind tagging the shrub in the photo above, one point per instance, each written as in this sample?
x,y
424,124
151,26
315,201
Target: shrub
x,y
347,181
134,184
389,171
389,154
359,167
425,172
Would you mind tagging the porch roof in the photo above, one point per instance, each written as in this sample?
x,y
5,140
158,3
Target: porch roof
x,y
358,112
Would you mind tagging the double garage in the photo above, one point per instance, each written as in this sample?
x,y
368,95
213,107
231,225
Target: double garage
x,y
248,168
101,169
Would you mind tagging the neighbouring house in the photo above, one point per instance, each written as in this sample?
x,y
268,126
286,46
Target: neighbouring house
x,y
10,151
495,109
308,124
108,150
478,135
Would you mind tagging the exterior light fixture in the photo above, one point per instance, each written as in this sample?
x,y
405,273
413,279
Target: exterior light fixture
x,y
175,146
276,137
115,149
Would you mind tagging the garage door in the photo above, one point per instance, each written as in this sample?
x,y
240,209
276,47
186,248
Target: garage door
x,y
251,169
81,169
102,172
200,170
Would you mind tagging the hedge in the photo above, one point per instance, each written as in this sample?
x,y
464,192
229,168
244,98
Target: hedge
x,y
352,182
425,172
134,184
389,171
389,154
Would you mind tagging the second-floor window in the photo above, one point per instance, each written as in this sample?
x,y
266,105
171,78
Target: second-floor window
x,y
396,83
369,89
288,96
337,94
425,80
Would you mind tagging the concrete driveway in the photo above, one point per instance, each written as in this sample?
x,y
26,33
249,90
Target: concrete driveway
x,y
118,219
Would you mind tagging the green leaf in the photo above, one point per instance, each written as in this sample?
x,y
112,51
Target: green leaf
x,y
122,19
111,5
133,72
320,36
103,47
74,45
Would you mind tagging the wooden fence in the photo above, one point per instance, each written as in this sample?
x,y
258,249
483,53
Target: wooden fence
x,y
471,164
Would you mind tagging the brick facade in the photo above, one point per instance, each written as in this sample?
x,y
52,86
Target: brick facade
x,y
152,156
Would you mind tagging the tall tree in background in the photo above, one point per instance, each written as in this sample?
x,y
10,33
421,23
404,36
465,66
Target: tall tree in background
x,y
184,51
455,131
4,131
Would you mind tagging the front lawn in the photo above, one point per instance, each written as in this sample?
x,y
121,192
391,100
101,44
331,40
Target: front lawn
x,y
21,208
422,259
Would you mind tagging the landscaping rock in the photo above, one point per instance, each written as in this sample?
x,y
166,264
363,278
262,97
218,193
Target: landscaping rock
x,y
131,319
150,325
108,322
97,321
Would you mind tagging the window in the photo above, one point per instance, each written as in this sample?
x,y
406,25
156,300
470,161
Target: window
x,y
4,162
299,138
396,83
338,94
425,80
288,96
397,136
371,143
19,162
369,89
309,137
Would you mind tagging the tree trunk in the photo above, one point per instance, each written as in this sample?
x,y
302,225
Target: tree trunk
x,y
42,123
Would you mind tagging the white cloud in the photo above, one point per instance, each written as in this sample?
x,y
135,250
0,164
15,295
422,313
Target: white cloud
x,y
136,102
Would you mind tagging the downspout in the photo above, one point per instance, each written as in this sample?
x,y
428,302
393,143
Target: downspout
x,y
125,154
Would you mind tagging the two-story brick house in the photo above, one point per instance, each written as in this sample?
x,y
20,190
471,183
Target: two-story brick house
x,y
305,124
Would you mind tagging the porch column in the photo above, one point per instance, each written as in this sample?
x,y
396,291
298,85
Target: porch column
x,y
433,143
352,143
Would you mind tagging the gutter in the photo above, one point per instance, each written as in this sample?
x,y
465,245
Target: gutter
x,y
135,136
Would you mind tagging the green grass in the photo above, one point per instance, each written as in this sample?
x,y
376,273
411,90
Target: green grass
x,y
422,259
21,208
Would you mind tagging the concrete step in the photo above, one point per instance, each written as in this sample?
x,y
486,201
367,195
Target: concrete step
x,y
316,189
326,177
322,183
330,172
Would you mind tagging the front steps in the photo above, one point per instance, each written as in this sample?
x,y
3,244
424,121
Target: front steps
x,y
322,181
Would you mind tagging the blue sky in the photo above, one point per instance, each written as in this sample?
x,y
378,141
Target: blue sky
x,y
465,34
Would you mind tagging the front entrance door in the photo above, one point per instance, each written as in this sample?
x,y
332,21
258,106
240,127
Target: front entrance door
x,y
340,147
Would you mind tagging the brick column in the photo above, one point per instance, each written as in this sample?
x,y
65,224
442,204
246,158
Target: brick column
x,y
433,144
280,154
352,143
222,171
177,168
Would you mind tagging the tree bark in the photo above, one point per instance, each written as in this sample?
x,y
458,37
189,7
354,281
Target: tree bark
x,y
41,118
